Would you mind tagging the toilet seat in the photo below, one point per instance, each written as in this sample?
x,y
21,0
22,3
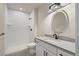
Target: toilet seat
x,y
31,45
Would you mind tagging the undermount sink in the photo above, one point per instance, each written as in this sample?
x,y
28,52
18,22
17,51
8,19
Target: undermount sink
x,y
54,40
49,39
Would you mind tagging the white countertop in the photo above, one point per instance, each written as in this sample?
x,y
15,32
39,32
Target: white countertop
x,y
70,46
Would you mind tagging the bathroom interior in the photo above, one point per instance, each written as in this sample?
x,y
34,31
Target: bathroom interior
x,y
38,29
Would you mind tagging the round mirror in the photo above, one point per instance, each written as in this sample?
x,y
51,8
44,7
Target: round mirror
x,y
60,22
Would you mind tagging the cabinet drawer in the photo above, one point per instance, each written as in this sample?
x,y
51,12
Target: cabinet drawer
x,y
47,46
62,52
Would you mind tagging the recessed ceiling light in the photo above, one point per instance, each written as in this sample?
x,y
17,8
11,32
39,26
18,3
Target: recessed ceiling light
x,y
21,8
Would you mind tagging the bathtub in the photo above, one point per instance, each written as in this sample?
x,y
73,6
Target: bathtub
x,y
22,50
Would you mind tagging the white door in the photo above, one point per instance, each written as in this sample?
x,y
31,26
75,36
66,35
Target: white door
x,y
2,17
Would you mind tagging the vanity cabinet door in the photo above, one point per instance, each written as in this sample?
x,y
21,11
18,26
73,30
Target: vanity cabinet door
x,y
48,53
66,53
47,46
39,50
42,49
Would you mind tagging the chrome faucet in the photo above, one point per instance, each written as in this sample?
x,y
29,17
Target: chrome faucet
x,y
55,36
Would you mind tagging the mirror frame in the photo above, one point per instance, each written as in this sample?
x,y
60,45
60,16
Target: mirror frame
x,y
67,19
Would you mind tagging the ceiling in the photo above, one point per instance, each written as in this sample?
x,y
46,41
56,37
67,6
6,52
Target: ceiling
x,y
27,7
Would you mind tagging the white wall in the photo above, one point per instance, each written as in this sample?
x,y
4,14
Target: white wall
x,y
2,27
70,9
33,24
17,28
6,18
44,21
42,14
77,29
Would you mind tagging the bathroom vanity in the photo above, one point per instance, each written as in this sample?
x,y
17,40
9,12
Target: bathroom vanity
x,y
51,47
60,26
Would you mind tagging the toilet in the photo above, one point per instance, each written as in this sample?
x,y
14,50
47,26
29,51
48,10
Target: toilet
x,y
31,49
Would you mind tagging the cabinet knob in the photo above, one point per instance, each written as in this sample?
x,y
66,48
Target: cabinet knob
x,y
60,54
44,53
2,34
